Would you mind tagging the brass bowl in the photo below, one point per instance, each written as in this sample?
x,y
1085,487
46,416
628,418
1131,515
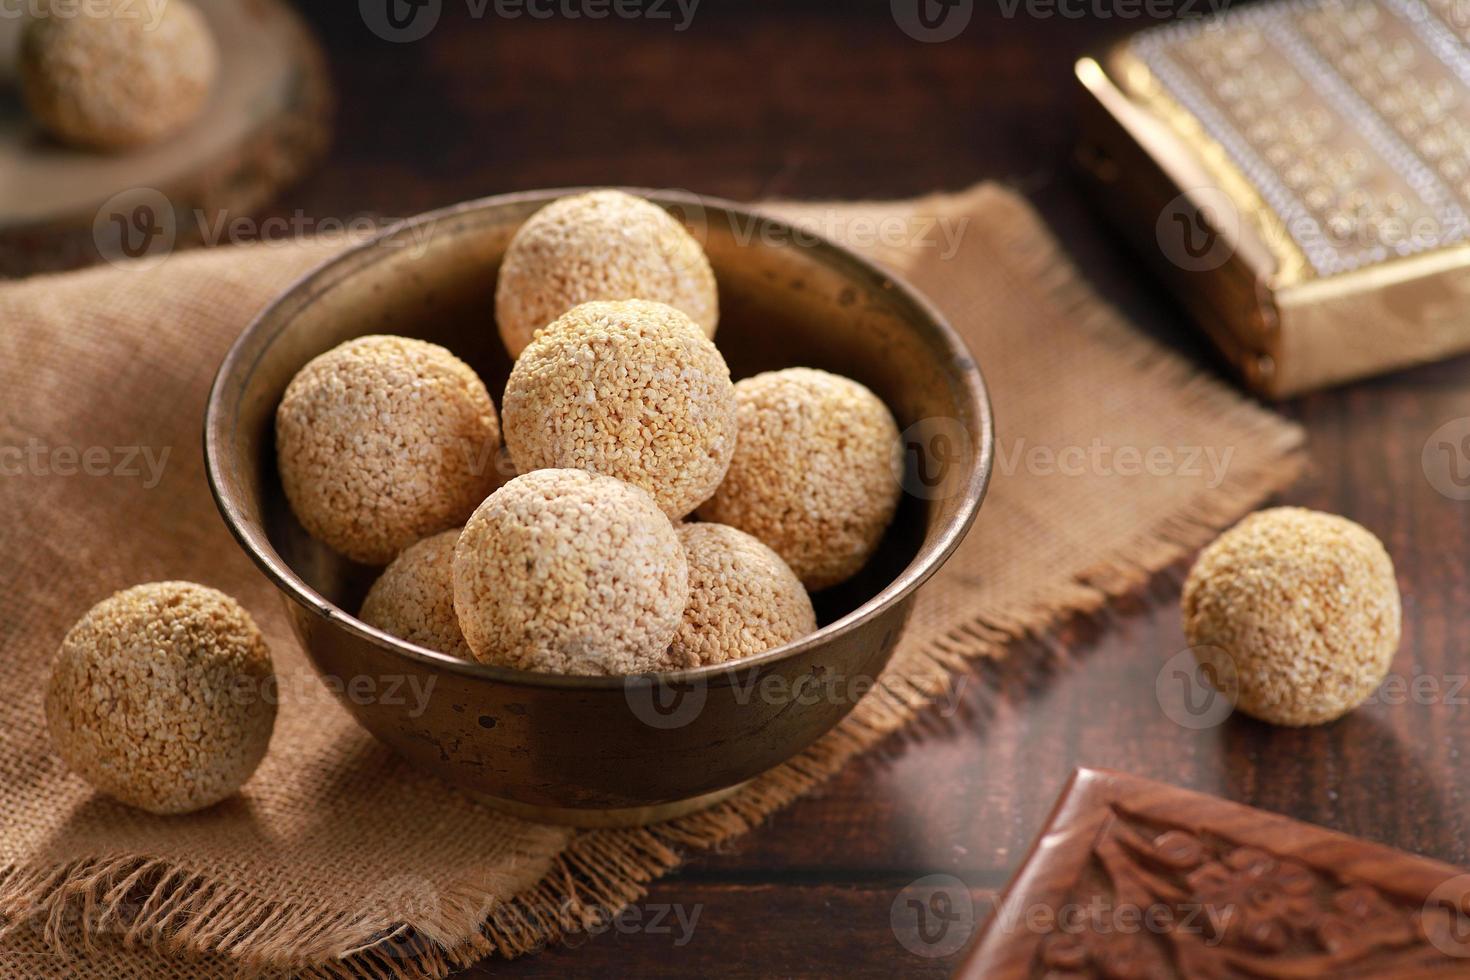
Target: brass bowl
x,y
602,751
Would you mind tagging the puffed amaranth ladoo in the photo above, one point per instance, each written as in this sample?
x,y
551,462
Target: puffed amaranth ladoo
x,y
110,75
163,696
631,390
385,440
743,599
1305,608
414,597
602,245
565,571
813,475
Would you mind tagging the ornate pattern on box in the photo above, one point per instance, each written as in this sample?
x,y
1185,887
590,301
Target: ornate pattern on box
x,y
1136,879
1347,119
1219,904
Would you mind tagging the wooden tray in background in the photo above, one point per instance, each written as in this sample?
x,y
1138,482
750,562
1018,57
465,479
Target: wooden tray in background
x,y
267,122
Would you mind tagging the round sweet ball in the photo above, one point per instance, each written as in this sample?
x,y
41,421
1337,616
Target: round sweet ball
x,y
567,572
628,389
604,245
1300,608
743,599
813,473
414,597
118,75
383,441
161,697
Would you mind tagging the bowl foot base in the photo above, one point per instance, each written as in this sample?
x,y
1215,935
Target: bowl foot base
x,y
590,819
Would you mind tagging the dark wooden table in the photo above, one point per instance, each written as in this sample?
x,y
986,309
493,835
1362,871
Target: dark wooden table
x,y
821,98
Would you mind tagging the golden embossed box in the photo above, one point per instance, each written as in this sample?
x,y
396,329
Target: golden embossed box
x,y
1302,172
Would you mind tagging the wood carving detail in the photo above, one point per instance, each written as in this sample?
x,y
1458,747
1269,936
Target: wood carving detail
x,y
1165,902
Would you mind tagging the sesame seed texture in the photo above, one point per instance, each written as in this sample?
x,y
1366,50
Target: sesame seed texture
x,y
743,599
603,245
414,597
383,441
565,571
627,389
1305,607
160,697
112,78
813,472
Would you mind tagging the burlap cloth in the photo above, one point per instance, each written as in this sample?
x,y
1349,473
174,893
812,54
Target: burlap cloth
x,y
338,858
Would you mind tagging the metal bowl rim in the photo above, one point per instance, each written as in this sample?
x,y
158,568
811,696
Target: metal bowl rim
x,y
933,551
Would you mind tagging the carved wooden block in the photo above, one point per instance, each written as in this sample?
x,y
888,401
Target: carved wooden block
x,y
1136,879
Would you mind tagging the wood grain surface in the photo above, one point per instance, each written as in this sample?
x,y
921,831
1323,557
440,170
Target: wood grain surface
x,y
820,99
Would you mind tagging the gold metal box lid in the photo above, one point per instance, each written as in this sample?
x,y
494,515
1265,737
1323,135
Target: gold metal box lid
x,y
1302,171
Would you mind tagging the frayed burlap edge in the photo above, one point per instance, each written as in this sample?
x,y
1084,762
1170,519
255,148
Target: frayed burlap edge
x,y
148,903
